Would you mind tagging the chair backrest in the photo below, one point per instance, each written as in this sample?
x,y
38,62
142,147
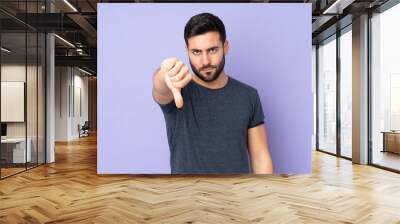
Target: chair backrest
x,y
86,125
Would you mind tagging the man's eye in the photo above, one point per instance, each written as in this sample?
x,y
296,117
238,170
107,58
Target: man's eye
x,y
214,50
196,52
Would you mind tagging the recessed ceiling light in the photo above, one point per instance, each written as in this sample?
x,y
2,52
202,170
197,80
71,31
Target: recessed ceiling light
x,y
84,71
5,50
70,5
64,40
338,6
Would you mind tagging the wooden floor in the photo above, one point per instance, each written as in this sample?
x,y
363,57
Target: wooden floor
x,y
387,159
5,172
70,191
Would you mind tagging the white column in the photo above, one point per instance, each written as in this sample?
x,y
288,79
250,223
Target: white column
x,y
50,93
360,90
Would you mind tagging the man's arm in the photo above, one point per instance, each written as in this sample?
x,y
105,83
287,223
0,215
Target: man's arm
x,y
161,93
261,161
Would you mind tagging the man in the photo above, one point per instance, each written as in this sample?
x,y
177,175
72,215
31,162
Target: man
x,y
213,121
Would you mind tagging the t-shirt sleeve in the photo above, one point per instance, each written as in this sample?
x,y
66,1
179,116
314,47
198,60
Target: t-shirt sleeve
x,y
168,108
257,116
169,111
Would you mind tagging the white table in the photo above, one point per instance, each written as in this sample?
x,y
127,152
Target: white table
x,y
19,155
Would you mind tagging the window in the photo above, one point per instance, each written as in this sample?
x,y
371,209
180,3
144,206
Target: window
x,y
346,92
327,95
385,88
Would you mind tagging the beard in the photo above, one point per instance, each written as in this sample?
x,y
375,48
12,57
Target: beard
x,y
210,76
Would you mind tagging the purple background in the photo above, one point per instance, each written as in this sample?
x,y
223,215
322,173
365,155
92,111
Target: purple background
x,y
270,49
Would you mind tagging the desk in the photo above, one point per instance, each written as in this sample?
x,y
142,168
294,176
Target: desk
x,y
391,141
15,148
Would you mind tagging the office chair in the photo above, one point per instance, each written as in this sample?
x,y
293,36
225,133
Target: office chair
x,y
84,130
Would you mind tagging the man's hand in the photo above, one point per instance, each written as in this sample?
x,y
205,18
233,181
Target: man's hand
x,y
176,76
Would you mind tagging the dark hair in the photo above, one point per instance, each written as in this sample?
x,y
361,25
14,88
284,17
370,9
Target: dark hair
x,y
203,23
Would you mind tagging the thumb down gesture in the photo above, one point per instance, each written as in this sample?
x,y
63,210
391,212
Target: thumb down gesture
x,y
176,76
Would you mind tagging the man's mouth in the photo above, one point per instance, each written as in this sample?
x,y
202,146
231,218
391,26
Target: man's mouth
x,y
208,70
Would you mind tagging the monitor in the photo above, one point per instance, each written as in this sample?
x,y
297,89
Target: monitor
x,y
3,129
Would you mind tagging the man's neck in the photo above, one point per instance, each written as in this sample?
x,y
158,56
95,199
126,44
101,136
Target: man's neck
x,y
220,82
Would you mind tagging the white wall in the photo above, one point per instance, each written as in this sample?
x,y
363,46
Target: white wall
x,y
62,81
71,93
15,72
81,103
33,127
10,73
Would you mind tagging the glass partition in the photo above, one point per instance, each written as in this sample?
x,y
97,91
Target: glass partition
x,y
327,95
22,63
14,153
32,95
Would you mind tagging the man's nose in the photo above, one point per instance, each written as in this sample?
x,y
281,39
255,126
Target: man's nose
x,y
206,59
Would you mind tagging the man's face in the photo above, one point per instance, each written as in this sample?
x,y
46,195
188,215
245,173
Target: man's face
x,y
207,55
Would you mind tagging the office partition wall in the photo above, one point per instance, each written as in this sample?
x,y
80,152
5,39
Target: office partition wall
x,y
22,88
14,147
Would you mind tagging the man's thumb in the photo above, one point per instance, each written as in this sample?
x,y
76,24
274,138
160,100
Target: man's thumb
x,y
177,97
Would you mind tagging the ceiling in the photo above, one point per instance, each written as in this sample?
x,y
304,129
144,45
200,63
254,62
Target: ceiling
x,y
76,22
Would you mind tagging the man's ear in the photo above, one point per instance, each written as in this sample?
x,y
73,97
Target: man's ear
x,y
226,47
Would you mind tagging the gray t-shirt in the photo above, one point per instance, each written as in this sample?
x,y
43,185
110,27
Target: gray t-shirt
x,y
209,133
